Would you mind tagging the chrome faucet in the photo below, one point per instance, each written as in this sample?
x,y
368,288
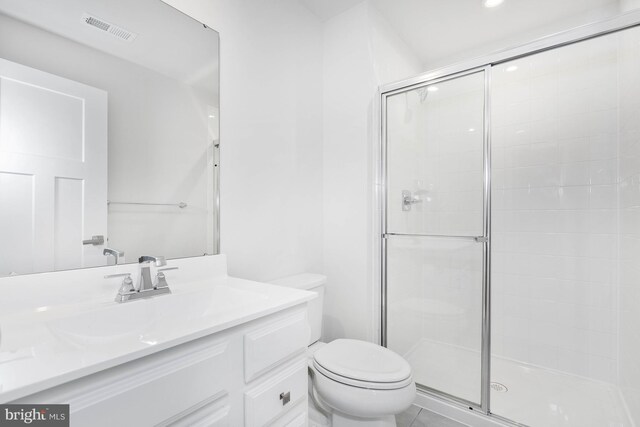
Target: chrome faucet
x,y
145,283
114,253
146,287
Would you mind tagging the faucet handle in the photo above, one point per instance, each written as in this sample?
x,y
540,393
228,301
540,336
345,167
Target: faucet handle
x,y
161,280
112,276
127,283
127,286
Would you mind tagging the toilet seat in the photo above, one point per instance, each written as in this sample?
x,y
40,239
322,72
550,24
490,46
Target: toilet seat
x,y
362,364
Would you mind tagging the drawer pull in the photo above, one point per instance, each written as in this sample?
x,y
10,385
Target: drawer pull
x,y
285,397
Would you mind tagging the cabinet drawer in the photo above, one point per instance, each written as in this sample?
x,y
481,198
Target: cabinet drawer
x,y
296,417
215,413
266,401
273,343
151,390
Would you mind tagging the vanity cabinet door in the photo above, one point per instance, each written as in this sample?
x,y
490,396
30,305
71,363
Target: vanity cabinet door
x,y
189,385
158,393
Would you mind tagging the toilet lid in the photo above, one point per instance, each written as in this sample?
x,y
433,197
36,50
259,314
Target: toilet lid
x,y
363,364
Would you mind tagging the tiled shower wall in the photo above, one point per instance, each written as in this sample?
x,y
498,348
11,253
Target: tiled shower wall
x,y
566,214
555,216
629,174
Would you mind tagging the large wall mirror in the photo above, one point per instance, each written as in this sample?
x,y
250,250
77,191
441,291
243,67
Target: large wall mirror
x,y
108,134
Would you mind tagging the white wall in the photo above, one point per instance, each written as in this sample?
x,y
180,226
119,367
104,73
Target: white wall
x,y
590,15
360,52
280,213
271,134
629,5
157,131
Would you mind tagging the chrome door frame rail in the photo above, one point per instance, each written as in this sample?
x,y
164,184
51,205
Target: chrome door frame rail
x,y
485,373
481,64
483,239
553,41
479,239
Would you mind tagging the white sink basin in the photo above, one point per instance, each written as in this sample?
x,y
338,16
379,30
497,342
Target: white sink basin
x,y
103,326
147,320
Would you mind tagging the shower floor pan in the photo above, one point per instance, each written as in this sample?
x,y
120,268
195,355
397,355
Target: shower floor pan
x,y
527,394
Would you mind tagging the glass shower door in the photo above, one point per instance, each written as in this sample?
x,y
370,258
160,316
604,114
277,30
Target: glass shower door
x,y
435,234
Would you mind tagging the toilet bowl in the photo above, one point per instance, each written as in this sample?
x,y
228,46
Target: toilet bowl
x,y
352,382
362,384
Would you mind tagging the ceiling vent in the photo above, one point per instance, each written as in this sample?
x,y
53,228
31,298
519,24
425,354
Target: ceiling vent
x,y
109,28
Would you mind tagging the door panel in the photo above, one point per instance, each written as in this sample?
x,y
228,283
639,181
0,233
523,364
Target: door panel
x,y
53,168
16,222
435,232
67,229
30,112
434,316
435,161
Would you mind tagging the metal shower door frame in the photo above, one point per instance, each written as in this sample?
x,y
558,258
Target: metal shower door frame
x,y
486,64
484,239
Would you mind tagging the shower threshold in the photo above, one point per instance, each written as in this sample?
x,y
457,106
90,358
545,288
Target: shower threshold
x,y
535,396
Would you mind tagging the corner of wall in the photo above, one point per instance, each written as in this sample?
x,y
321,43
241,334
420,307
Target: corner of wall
x,y
361,52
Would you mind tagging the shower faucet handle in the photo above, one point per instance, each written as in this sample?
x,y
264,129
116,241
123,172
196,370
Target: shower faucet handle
x,y
408,199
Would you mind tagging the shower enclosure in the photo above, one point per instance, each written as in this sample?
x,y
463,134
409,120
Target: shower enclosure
x,y
511,231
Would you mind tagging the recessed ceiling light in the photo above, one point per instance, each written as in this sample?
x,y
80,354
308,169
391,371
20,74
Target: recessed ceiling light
x,y
472,130
492,3
432,88
511,68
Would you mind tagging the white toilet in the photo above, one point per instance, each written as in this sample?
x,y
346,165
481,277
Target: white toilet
x,y
355,383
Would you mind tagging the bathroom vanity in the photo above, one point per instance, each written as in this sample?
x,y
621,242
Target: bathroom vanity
x,y
216,351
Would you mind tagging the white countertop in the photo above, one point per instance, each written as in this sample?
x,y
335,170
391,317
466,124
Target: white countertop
x,y
42,346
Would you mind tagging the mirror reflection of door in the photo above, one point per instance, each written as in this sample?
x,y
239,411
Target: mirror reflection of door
x,y
53,171
158,132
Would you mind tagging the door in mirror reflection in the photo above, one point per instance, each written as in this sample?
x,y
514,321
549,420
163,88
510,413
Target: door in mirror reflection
x,y
53,171
139,171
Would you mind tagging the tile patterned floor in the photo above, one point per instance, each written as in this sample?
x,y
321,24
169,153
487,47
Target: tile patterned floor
x,y
417,417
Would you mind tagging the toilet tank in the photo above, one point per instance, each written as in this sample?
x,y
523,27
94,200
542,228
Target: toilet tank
x,y
314,283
